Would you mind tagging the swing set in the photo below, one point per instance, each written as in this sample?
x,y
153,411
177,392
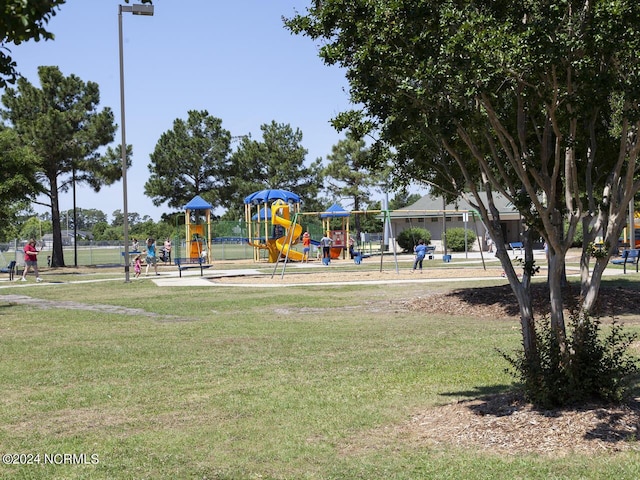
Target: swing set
x,y
465,214
339,236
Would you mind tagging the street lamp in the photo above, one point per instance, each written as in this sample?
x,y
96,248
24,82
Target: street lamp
x,y
136,10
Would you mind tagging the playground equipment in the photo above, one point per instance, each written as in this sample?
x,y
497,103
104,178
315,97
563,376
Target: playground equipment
x,y
340,236
265,232
197,234
280,216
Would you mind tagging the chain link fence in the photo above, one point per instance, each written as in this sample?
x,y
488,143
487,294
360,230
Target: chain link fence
x,y
228,242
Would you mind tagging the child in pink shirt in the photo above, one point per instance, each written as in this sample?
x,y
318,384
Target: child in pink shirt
x,y
137,266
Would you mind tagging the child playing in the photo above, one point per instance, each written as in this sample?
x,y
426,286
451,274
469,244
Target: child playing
x,y
137,266
306,244
420,251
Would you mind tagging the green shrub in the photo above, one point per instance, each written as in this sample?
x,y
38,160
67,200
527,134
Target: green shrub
x,y
455,239
593,367
576,242
407,239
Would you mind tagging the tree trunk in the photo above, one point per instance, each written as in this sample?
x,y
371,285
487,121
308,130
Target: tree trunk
x,y
590,288
522,291
527,323
57,256
555,277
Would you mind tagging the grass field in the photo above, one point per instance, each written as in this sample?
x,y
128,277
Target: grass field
x,y
225,383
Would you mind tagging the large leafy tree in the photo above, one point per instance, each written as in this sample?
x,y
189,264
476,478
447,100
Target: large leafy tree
x,y
538,101
348,176
189,160
21,21
17,176
61,124
275,162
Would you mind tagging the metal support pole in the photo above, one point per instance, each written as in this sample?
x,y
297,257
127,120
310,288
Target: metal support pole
x,y
123,151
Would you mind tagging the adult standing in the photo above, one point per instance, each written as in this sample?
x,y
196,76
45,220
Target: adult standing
x,y
31,260
167,250
152,259
489,241
325,243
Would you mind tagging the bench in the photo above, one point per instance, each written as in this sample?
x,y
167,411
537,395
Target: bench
x,y
132,255
10,269
187,263
628,256
518,245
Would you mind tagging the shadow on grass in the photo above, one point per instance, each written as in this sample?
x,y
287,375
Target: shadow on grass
x,y
479,392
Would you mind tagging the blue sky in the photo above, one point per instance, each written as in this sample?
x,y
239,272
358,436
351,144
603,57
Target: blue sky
x,y
231,58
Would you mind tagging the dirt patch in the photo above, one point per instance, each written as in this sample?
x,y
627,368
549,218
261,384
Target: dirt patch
x,y
68,305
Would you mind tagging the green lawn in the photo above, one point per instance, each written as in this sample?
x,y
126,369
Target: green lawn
x,y
227,383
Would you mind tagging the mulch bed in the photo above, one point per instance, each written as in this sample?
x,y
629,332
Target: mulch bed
x,y
500,302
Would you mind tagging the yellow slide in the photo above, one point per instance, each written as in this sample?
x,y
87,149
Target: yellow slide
x,y
282,243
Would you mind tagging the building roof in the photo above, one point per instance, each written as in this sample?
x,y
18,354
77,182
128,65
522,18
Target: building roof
x,y
430,206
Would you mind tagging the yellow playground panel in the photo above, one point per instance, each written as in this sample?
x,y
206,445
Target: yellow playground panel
x,y
197,240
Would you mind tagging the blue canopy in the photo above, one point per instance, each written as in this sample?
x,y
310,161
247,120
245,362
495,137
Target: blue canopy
x,y
265,214
198,203
335,210
266,196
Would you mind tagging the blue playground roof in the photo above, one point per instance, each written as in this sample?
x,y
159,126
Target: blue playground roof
x,y
266,196
198,203
335,210
265,214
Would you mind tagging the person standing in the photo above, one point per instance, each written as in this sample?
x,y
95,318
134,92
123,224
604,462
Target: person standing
x,y
489,242
306,247
325,243
421,251
167,250
151,256
31,260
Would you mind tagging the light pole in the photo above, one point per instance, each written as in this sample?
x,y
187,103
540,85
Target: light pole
x,y
136,10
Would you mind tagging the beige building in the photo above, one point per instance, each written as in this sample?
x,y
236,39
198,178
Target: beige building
x,y
432,214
